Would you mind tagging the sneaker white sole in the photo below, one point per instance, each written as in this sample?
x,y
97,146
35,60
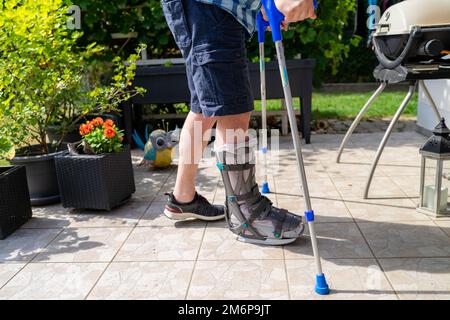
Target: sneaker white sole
x,y
190,216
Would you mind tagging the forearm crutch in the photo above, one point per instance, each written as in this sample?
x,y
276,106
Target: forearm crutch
x,y
261,26
275,18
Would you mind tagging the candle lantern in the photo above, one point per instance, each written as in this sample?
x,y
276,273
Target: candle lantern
x,y
434,183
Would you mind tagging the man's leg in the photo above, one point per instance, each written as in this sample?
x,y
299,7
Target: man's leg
x,y
185,203
192,24
192,145
193,141
232,129
250,215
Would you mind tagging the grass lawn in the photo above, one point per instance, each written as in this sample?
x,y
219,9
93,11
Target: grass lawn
x,y
347,105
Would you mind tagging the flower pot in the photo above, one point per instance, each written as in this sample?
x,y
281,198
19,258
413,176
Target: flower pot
x,y
15,206
41,176
99,182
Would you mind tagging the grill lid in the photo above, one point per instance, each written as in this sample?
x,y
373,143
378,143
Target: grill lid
x,y
402,17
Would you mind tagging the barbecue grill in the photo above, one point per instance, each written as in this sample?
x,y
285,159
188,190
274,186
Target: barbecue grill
x,y
412,41
412,44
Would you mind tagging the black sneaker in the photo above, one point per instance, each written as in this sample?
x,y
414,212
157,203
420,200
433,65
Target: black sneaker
x,y
199,208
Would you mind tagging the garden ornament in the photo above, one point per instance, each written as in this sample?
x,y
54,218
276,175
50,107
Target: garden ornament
x,y
158,150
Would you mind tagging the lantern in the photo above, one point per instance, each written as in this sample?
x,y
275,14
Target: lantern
x,y
434,183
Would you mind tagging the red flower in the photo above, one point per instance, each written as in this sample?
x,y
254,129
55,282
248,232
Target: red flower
x,y
97,122
109,123
109,132
86,128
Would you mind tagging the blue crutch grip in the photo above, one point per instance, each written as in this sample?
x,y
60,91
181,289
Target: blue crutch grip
x,y
275,19
261,27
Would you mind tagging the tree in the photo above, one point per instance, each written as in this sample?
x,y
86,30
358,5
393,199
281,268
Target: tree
x,y
46,78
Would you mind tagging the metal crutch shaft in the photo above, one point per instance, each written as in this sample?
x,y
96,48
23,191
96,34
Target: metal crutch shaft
x,y
265,184
386,136
358,118
297,145
275,19
261,26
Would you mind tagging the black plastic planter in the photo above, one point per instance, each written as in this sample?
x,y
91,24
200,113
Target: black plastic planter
x,y
15,206
54,135
99,182
41,176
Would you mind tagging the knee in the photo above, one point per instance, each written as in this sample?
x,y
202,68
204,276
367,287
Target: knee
x,y
200,120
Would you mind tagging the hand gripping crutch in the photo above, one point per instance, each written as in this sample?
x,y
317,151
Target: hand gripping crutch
x,y
275,19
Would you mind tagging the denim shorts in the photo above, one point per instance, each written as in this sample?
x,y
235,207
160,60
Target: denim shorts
x,y
212,43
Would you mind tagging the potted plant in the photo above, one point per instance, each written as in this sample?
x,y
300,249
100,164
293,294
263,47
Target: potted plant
x,y
46,79
15,206
97,173
56,132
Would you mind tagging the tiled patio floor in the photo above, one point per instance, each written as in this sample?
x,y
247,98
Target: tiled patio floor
x,y
379,248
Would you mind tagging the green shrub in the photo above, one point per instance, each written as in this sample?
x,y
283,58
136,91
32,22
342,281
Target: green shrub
x,y
358,67
145,17
46,78
5,149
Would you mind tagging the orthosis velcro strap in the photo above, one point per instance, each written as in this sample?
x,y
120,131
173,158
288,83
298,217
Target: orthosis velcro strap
x,y
279,224
261,211
237,167
252,195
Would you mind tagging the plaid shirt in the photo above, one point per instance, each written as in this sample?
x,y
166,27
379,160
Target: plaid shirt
x,y
244,11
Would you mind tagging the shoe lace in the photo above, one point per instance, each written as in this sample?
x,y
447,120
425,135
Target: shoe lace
x,y
206,207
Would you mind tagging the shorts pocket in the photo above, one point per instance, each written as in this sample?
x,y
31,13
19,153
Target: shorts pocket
x,y
217,53
175,17
220,75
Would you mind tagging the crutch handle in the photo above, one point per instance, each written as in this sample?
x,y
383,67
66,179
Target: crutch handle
x,y
261,27
275,19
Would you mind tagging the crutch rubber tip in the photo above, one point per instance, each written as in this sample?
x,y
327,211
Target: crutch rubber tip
x,y
265,188
321,285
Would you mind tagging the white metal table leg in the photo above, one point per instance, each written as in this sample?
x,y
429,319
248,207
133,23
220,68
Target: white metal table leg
x,y
358,118
386,138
